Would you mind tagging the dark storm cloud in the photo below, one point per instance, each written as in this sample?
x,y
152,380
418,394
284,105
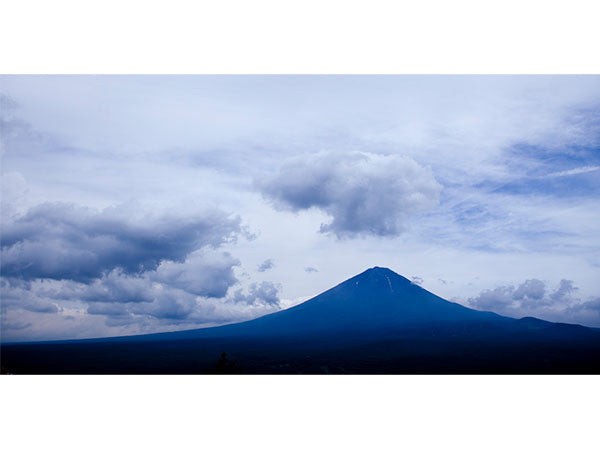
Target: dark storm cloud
x,y
364,193
204,274
128,267
64,241
266,265
265,293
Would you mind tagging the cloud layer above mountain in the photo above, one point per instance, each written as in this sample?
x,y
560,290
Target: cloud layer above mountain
x,y
364,193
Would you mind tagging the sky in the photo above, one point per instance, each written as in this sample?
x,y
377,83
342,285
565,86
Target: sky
x,y
138,204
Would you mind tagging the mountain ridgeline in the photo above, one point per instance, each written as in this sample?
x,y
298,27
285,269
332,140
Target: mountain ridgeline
x,y
375,322
374,301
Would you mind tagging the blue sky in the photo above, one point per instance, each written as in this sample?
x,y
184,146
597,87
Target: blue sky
x,y
134,204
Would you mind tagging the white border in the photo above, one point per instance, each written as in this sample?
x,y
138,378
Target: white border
x,y
300,412
299,37
309,36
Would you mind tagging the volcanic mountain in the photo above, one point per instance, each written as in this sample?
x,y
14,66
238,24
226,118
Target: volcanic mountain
x,y
374,301
375,322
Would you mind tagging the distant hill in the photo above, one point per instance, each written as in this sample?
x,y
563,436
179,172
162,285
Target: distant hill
x,y
375,322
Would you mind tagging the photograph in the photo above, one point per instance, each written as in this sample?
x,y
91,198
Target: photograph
x,y
300,224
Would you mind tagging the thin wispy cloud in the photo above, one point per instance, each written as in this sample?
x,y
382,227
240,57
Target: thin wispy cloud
x,y
576,171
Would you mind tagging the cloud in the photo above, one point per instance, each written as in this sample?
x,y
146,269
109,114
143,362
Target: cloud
x,y
576,171
565,288
266,265
310,270
135,268
495,299
13,193
417,280
7,106
263,293
10,127
529,293
16,325
364,193
591,306
136,272
206,274
68,242
115,293
170,308
21,296
17,136
108,309
174,295
179,308
530,289
531,298
117,287
126,299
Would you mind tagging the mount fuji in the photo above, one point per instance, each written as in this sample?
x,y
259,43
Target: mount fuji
x,y
375,322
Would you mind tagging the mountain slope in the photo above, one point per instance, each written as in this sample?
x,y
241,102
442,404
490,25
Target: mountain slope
x,y
375,322
375,300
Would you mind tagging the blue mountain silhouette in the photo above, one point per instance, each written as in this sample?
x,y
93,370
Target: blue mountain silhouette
x,y
375,322
377,300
